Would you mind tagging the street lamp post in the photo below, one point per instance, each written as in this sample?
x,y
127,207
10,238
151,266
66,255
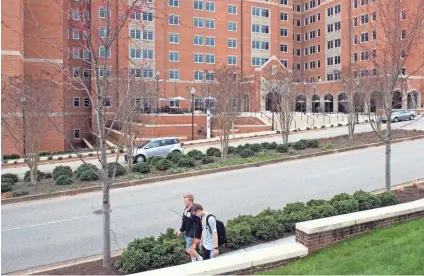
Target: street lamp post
x,y
157,91
192,92
23,102
357,108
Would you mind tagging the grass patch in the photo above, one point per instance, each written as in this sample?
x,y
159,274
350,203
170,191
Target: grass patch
x,y
397,250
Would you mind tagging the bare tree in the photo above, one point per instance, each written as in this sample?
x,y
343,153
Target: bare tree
x,y
283,91
25,103
89,68
398,33
228,91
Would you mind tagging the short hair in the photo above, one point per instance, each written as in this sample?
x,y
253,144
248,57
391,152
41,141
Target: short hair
x,y
197,207
190,197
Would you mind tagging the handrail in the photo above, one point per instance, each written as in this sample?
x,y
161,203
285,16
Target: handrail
x,y
309,117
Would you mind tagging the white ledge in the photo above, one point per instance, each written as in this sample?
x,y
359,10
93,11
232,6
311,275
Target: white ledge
x,y
231,263
336,222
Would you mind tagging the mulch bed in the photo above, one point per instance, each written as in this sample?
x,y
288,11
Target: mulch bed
x,y
406,194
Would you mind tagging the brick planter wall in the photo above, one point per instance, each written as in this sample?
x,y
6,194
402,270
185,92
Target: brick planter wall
x,y
315,241
259,268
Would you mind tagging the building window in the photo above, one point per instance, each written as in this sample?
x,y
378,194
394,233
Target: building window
x,y
284,16
374,16
210,41
75,53
298,37
330,61
256,28
232,43
284,2
148,54
364,19
364,37
337,26
75,72
403,34
284,48
107,102
135,53
337,43
76,102
174,56
284,32
210,76
174,3
257,61
102,71
210,24
102,12
148,16
148,35
210,58
174,38
135,34
75,34
232,26
102,52
210,6
75,15
198,4
374,35
337,60
330,77
198,58
285,62
77,133
86,102
232,9
198,40
86,73
174,20
198,75
85,54
232,60
102,32
260,12
364,56
198,22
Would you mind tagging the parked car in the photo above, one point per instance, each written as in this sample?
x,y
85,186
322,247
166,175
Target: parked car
x,y
156,147
400,115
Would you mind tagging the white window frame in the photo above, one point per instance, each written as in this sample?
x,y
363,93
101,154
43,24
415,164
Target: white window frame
x,y
175,56
210,55
210,38
174,16
79,133
200,58
232,57
174,71
177,35
78,100
228,43
171,3
231,8
231,23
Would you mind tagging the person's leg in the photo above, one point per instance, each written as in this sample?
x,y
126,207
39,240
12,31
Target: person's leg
x,y
206,254
193,253
211,254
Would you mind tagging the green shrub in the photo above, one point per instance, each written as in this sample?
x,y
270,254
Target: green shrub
x,y
322,211
62,170
300,145
339,197
8,181
155,159
177,170
346,206
196,154
295,207
174,156
268,228
213,152
27,176
120,170
246,153
88,175
163,165
208,160
63,180
313,143
256,147
50,157
265,145
267,212
141,168
186,162
60,158
168,253
291,151
20,193
238,235
12,176
86,167
247,219
387,199
6,187
169,234
366,201
69,156
281,148
289,220
317,202
231,150
134,261
11,156
91,154
327,146
273,145
145,244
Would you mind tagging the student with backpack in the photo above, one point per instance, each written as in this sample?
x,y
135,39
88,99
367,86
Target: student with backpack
x,y
213,233
191,226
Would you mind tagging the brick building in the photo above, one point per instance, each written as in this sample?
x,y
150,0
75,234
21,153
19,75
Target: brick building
x,y
180,42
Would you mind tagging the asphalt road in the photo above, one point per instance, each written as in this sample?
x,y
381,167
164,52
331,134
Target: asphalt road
x,y
329,132
49,231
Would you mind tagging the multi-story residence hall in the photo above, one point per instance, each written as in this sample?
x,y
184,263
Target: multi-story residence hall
x,y
178,44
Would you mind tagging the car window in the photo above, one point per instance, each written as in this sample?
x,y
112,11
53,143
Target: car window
x,y
143,144
154,144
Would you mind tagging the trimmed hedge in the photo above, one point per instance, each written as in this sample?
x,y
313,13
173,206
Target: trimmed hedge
x,y
314,143
63,180
6,187
174,156
62,170
231,150
300,145
238,235
246,153
92,170
346,206
155,159
20,193
272,146
141,168
213,152
387,199
268,228
186,162
163,165
196,154
282,148
12,176
256,147
208,160
11,156
40,175
120,170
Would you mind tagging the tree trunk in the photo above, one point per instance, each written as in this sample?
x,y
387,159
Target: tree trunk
x,y
388,156
351,125
33,173
105,189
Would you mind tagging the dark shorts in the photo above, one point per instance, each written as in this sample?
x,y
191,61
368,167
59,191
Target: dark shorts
x,y
208,254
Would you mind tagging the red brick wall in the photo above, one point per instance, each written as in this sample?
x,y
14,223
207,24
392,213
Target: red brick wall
x,y
327,238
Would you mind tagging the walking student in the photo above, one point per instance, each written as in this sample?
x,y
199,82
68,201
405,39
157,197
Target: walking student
x,y
192,228
209,239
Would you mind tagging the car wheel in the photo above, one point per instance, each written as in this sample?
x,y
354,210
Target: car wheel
x,y
140,159
411,117
396,120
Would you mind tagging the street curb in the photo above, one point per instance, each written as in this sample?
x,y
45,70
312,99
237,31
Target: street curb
x,y
54,266
195,173
418,181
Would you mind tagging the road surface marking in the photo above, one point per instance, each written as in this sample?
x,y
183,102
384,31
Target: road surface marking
x,y
45,223
327,172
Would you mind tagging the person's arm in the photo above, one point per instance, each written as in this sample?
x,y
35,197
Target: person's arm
x,y
212,224
183,226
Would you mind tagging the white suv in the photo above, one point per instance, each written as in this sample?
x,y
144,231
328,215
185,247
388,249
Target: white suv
x,y
156,147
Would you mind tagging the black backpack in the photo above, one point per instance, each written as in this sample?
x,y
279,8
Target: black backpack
x,y
220,229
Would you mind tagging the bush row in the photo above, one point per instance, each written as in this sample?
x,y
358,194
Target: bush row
x,y
272,224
